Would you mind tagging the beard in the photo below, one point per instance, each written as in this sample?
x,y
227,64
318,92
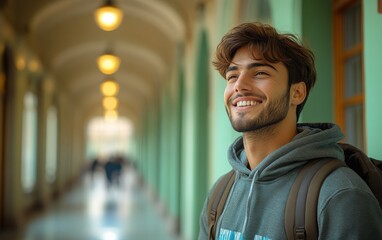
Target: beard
x,y
274,113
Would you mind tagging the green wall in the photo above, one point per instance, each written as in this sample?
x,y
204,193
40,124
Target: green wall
x,y
221,132
317,34
196,138
286,15
373,79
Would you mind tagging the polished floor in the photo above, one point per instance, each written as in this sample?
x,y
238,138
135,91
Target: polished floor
x,y
92,211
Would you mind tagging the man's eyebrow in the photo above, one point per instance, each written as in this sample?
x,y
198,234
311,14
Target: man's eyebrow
x,y
231,68
260,64
251,65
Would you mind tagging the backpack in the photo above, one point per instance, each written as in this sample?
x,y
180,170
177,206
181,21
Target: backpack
x,y
305,191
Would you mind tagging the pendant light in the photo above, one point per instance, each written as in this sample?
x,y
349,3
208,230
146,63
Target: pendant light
x,y
108,16
108,63
110,103
109,87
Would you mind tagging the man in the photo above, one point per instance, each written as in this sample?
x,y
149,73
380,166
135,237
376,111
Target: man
x,y
269,77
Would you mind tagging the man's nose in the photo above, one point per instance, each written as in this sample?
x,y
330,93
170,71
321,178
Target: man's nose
x,y
242,83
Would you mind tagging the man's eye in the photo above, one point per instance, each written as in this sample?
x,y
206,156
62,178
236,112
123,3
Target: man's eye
x,y
231,77
261,74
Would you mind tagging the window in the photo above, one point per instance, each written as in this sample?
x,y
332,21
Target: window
x,y
51,145
349,76
106,138
29,140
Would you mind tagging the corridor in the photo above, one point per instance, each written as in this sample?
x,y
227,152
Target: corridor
x,y
76,86
91,211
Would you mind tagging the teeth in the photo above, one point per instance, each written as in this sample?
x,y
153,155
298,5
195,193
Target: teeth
x,y
246,103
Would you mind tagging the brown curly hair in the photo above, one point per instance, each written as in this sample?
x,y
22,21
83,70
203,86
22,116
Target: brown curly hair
x,y
274,47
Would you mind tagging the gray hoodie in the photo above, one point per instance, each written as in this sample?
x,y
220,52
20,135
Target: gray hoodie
x,y
255,207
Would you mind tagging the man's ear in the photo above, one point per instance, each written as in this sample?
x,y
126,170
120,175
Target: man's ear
x,y
298,93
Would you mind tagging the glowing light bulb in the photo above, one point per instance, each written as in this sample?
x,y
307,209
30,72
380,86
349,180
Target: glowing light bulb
x,y
108,17
108,63
109,88
110,103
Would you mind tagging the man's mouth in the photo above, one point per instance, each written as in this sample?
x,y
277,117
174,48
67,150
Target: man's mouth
x,y
246,103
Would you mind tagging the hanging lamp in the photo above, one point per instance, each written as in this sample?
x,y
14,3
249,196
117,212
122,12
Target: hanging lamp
x,y
109,87
108,16
110,103
108,63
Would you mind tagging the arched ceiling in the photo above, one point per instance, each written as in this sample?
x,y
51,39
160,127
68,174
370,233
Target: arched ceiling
x,y
67,41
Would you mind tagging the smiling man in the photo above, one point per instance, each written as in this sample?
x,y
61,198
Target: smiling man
x,y
268,80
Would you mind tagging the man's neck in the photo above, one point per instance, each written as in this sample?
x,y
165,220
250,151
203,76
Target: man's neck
x,y
259,144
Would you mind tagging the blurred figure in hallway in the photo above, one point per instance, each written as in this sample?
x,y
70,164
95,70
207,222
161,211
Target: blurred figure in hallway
x,y
113,170
94,167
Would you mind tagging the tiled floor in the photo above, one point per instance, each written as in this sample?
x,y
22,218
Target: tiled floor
x,y
93,212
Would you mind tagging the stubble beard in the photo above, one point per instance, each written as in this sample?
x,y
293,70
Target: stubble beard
x,y
276,112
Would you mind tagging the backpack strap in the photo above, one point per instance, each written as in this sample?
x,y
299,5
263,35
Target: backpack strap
x,y
313,194
217,201
301,207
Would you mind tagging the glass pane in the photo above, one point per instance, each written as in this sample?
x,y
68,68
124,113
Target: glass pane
x,y
352,26
29,140
355,125
106,138
51,145
353,76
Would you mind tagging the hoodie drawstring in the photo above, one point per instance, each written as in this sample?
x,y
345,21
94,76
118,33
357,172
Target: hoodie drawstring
x,y
248,205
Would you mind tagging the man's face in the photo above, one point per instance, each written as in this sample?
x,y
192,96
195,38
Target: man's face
x,y
257,94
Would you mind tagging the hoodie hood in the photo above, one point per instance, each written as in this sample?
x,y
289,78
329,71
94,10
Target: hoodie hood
x,y
313,141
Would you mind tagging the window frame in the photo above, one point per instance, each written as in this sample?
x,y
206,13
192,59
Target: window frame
x,y
340,57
